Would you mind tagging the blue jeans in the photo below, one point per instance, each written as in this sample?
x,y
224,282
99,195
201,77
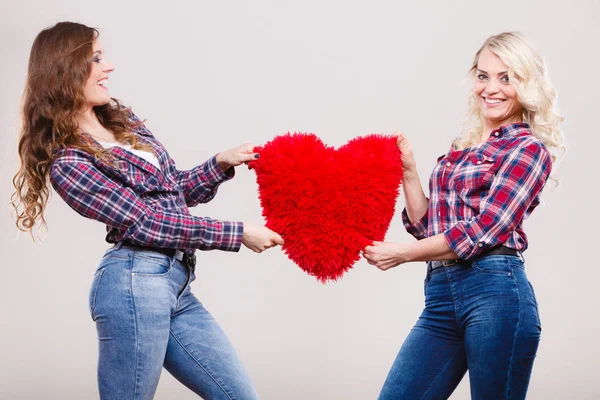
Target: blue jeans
x,y
147,318
482,317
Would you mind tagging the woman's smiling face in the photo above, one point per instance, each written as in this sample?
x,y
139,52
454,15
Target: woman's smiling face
x,y
496,96
95,88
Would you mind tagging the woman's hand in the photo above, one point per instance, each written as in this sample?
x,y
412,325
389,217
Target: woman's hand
x,y
409,165
237,156
259,238
385,255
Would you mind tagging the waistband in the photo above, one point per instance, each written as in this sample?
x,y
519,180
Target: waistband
x,y
496,251
187,259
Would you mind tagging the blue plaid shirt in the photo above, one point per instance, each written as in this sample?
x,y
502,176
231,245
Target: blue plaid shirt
x,y
143,204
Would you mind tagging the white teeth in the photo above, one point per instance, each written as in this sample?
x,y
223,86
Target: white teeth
x,y
102,82
493,101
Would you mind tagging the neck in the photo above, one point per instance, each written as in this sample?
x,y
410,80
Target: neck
x,y
87,120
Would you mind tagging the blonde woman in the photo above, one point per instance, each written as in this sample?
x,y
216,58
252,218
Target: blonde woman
x,y
480,309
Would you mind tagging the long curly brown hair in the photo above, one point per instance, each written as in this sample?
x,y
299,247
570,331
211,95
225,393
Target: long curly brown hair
x,y
59,64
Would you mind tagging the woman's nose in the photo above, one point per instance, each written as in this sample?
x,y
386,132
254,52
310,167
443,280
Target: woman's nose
x,y
492,86
108,66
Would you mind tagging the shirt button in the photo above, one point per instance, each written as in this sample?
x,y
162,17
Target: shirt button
x,y
448,164
497,134
478,162
480,244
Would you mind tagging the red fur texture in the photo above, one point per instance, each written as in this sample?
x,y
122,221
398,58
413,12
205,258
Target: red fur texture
x,y
328,204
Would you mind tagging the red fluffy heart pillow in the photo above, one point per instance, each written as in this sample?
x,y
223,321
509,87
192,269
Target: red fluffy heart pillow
x,y
328,204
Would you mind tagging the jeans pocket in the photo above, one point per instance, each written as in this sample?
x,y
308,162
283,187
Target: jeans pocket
x,y
94,291
497,265
151,263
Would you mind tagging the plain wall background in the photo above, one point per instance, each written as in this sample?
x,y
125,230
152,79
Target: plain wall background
x,y
213,75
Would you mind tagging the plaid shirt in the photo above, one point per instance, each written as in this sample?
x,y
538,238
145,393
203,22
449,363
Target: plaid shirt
x,y
480,196
143,204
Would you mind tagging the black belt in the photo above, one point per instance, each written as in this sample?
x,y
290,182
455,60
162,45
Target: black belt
x,y
187,259
496,251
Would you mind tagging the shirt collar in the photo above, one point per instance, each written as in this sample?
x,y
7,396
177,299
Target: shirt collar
x,y
511,129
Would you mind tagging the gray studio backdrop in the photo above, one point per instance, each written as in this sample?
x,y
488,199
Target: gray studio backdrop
x,y
212,75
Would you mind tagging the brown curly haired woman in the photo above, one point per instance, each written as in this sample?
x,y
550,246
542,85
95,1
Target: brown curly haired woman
x,y
107,166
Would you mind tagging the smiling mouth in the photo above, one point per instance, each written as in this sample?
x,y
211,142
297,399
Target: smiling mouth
x,y
102,82
493,101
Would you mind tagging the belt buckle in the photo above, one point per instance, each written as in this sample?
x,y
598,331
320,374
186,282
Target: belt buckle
x,y
189,259
448,263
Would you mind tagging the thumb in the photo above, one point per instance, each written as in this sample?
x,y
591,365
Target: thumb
x,y
278,239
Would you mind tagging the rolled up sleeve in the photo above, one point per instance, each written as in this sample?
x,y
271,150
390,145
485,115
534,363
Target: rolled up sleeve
x,y
417,229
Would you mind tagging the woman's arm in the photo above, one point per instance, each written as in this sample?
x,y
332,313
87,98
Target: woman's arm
x,y
414,215
385,255
93,195
416,202
517,183
200,184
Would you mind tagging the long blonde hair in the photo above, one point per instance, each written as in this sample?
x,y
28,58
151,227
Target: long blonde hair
x,y
527,72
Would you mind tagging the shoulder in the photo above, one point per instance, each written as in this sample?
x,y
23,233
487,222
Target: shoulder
x,y
525,152
68,167
67,161
526,143
71,155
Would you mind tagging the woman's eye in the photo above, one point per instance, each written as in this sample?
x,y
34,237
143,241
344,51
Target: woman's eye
x,y
97,59
504,79
481,77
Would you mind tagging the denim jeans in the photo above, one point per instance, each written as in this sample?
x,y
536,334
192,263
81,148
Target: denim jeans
x,y
480,316
147,318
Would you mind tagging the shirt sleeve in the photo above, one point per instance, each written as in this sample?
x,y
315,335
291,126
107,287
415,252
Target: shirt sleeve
x,y
93,195
417,229
513,189
200,184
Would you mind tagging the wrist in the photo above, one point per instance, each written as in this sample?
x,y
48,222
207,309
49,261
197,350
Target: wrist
x,y
410,175
221,163
405,253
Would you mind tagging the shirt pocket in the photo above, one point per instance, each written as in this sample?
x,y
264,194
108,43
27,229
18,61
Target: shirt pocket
x,y
141,180
477,171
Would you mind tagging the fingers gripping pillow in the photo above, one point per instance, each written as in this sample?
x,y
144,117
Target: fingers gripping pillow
x,y
328,204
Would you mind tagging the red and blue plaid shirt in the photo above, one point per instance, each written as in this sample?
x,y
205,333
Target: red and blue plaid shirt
x,y
480,196
143,204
